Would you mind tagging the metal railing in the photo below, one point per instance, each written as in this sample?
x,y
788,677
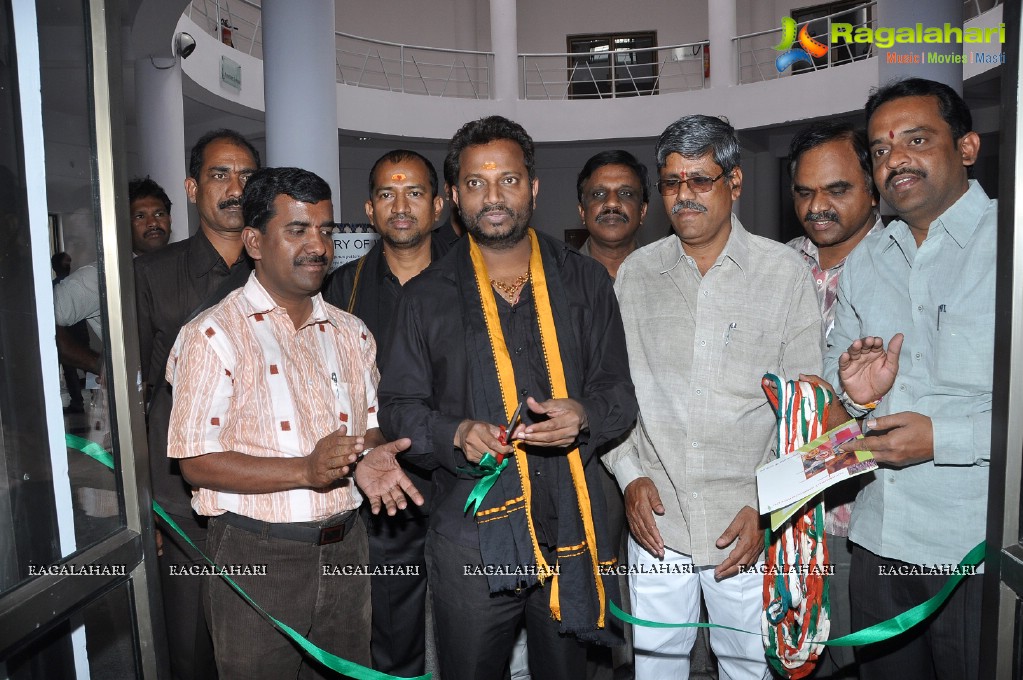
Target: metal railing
x,y
974,8
757,53
630,73
362,62
433,71
241,28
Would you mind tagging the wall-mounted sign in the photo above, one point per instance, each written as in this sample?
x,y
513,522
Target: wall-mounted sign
x,y
352,240
230,74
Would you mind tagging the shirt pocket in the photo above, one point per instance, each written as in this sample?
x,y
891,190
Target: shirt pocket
x,y
744,361
964,352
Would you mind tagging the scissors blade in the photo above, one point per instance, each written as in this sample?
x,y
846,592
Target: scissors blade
x,y
515,417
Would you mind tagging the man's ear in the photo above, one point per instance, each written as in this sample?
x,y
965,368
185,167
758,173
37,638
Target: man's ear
x,y
536,189
369,211
438,207
252,239
582,214
735,182
969,147
191,188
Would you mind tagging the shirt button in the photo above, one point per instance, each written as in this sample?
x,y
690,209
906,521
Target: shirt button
x,y
919,308
518,350
917,355
696,444
902,388
699,391
706,293
695,494
891,480
523,392
703,343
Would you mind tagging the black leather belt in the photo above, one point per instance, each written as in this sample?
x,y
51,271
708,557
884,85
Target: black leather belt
x,y
330,530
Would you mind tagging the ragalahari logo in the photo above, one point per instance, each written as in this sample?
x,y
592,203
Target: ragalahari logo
x,y
808,46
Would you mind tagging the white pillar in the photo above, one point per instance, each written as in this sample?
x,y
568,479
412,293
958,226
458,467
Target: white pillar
x,y
899,13
504,42
720,31
301,90
159,106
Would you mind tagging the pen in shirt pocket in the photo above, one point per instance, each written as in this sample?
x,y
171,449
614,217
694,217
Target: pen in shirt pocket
x,y
728,332
941,310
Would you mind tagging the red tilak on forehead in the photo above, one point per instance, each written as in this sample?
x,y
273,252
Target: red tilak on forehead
x,y
891,134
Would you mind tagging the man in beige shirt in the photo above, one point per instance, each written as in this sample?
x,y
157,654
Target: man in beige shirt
x,y
708,311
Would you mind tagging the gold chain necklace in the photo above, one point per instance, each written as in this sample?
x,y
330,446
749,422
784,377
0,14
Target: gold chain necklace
x,y
510,291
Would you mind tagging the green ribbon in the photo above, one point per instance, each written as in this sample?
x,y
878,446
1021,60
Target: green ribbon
x,y
629,618
878,632
331,661
907,619
491,471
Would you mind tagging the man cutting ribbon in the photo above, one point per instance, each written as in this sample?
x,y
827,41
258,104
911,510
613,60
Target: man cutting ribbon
x,y
511,315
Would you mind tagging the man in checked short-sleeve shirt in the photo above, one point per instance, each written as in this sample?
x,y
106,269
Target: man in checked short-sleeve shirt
x,y
274,398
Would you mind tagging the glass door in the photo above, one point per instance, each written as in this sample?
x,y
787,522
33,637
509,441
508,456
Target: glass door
x,y
76,548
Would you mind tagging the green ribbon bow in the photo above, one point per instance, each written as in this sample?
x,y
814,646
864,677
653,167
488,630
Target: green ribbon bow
x,y
490,471
331,661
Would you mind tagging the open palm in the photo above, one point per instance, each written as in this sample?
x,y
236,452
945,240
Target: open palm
x,y
867,370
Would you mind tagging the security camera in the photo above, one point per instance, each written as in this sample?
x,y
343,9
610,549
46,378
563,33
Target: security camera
x,y
184,45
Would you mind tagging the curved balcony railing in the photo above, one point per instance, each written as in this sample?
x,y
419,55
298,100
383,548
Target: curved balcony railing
x,y
612,74
237,23
412,69
378,64
757,53
362,62
974,8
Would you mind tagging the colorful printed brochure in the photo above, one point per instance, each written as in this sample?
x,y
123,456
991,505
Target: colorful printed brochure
x,y
786,484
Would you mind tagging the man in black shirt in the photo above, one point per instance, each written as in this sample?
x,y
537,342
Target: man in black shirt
x,y
403,206
172,285
510,316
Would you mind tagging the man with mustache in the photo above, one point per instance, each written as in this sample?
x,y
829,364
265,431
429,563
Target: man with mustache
x,y
274,399
79,299
403,207
171,285
510,316
835,199
708,311
150,210
927,287
613,198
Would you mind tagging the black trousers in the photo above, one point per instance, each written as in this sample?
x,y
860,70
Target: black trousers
x,y
332,611
189,644
945,646
476,630
399,601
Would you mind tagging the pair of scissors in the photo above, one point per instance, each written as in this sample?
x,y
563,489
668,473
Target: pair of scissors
x,y
507,430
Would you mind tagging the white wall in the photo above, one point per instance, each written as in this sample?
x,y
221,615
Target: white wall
x,y
543,25
451,23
